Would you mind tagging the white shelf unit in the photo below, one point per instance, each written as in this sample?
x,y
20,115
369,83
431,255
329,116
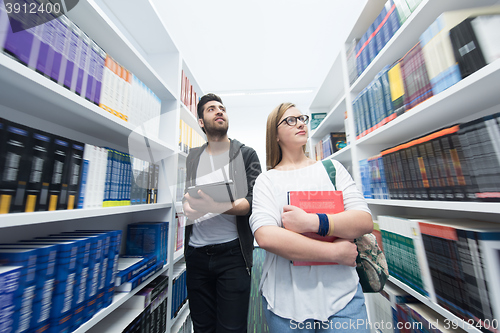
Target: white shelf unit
x,y
473,97
467,327
137,39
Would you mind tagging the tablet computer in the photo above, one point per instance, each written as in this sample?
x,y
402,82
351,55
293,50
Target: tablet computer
x,y
222,191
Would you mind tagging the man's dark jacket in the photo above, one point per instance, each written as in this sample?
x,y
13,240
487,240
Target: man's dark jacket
x,y
252,169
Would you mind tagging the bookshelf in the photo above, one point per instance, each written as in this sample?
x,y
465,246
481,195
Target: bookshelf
x,y
33,100
471,98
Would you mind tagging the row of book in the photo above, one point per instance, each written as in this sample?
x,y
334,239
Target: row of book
x,y
329,144
188,137
113,178
189,97
152,299
453,262
57,282
41,171
373,183
456,44
62,52
179,292
147,238
361,52
461,162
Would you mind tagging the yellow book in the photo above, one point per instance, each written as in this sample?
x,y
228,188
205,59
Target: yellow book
x,y
397,88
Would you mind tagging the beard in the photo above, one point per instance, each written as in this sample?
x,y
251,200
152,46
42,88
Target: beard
x,y
216,130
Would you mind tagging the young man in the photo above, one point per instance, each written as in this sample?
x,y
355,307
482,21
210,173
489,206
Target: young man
x,y
219,242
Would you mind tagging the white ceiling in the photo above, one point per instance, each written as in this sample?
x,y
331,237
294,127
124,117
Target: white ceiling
x,y
257,47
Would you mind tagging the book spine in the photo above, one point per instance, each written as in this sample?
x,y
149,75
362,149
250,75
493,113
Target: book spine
x,y
17,163
466,48
440,243
37,184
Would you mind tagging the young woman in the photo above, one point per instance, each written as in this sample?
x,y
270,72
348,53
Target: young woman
x,y
318,298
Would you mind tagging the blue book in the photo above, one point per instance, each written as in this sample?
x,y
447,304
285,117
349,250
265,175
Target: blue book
x,y
383,182
45,280
63,323
372,51
386,91
9,280
377,38
393,19
89,91
66,273
81,78
365,178
102,243
99,75
143,276
131,266
61,33
27,259
18,42
83,183
72,58
46,259
144,238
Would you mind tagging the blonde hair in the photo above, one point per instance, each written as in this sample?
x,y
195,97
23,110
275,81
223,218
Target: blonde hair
x,y
273,150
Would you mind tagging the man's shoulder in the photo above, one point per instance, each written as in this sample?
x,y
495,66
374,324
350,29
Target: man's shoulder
x,y
195,151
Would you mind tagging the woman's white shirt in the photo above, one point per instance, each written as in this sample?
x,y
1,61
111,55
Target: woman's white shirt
x,y
303,292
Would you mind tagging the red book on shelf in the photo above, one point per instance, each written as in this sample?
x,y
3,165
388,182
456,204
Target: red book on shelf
x,y
321,202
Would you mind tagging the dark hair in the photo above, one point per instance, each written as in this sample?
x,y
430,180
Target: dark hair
x,y
204,100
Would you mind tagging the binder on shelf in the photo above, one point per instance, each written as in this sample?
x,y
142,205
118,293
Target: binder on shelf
x,y
74,175
16,161
37,187
466,48
58,187
485,28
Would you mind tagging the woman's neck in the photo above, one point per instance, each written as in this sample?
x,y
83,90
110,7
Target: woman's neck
x,y
294,160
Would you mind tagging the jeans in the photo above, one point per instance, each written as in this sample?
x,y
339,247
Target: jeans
x,y
352,318
218,286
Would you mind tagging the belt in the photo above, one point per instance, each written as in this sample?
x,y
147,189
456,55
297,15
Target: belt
x,y
218,248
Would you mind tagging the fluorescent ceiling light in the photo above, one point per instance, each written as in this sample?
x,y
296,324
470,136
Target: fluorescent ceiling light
x,y
254,93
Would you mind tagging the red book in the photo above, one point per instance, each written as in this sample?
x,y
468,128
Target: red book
x,y
317,202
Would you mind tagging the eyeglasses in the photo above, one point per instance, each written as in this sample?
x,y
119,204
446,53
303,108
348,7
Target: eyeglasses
x,y
292,120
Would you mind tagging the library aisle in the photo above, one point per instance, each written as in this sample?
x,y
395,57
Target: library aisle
x,y
97,119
